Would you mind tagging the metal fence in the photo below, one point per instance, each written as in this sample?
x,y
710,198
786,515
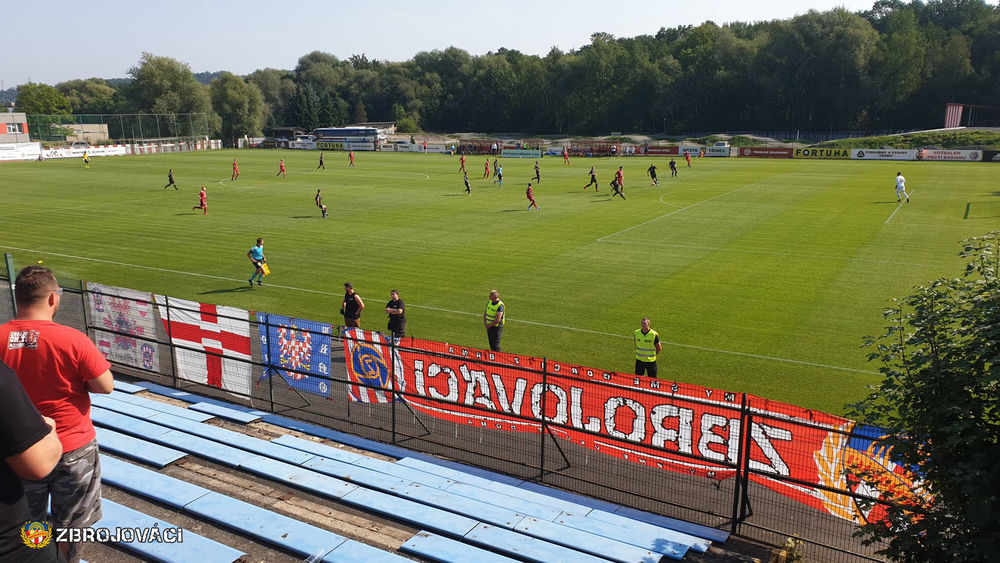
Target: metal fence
x,y
747,503
119,126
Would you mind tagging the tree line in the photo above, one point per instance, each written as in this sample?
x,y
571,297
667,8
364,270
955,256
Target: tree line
x,y
891,67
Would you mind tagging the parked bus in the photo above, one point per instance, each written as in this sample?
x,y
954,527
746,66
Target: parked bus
x,y
348,139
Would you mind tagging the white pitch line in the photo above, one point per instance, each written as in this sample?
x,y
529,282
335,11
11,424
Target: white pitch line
x,y
452,311
667,202
605,237
898,207
772,253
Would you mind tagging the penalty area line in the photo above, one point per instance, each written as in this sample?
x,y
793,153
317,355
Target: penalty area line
x,y
456,312
625,230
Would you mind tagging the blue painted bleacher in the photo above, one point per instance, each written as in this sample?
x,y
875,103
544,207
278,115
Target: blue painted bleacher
x,y
225,412
192,548
262,524
447,550
559,513
129,446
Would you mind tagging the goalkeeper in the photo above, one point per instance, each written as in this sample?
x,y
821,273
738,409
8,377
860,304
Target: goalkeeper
x,y
256,255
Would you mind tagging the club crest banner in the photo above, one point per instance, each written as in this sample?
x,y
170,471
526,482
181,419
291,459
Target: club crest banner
x,y
298,350
126,314
368,355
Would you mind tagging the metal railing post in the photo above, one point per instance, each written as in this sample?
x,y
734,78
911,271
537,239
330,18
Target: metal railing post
x,y
544,426
170,341
10,276
741,452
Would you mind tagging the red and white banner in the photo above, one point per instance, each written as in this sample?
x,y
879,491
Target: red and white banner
x,y
766,152
211,343
128,313
668,425
368,356
952,115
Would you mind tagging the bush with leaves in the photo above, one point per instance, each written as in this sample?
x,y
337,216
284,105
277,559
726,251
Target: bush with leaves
x,y
939,403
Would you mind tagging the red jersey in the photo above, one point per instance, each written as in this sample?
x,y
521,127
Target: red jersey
x,y
202,196
530,194
620,176
235,167
54,363
282,165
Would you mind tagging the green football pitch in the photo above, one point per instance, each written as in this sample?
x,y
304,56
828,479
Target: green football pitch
x,y
760,275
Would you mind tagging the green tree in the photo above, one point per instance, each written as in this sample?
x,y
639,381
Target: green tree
x,y
332,110
93,95
240,106
41,99
360,113
47,104
165,86
278,88
939,402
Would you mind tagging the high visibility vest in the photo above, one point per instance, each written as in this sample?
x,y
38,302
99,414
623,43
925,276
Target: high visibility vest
x,y
491,312
645,345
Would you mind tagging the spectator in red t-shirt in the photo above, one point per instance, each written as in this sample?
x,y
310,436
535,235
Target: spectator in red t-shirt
x,y
59,367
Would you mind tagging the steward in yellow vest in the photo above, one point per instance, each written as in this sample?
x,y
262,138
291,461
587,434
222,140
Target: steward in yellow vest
x,y
647,346
494,319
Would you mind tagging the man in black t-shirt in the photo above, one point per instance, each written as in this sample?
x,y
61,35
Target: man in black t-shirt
x,y
29,449
397,315
351,307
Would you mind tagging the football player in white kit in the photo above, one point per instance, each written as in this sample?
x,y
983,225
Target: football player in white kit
x,y
901,188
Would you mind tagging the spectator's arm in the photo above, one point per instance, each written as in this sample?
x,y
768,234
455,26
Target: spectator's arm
x,y
104,383
37,461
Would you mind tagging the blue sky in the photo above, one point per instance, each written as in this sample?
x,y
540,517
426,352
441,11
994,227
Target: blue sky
x,y
51,42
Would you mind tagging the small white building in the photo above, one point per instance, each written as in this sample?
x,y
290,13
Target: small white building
x,y
13,127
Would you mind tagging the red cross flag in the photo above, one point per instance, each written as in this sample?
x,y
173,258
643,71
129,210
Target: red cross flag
x,y
211,342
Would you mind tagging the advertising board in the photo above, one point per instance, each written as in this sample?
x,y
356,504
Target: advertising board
x,y
833,154
991,156
955,155
20,151
521,153
766,152
883,154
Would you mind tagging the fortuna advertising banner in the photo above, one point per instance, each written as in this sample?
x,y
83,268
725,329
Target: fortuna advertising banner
x,y
669,425
823,153
128,313
883,154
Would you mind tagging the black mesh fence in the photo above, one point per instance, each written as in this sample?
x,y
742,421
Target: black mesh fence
x,y
612,437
